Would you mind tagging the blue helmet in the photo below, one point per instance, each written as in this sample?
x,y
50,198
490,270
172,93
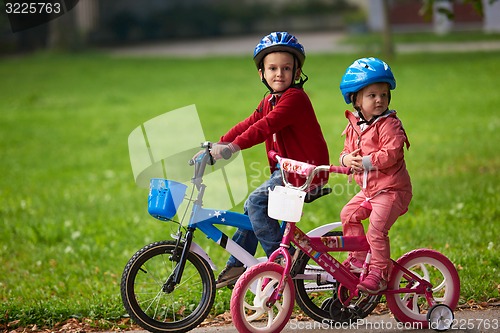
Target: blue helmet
x,y
364,72
279,41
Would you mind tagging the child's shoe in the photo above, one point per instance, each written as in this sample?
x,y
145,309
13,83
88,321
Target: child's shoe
x,y
353,264
229,276
373,283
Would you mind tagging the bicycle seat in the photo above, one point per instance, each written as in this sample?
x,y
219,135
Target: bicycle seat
x,y
316,194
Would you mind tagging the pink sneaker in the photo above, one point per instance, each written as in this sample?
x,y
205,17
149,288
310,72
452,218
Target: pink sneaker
x,y
354,265
373,283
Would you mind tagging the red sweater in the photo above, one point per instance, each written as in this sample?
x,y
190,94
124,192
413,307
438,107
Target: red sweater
x,y
297,132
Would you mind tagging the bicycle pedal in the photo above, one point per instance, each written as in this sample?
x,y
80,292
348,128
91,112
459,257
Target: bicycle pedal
x,y
354,309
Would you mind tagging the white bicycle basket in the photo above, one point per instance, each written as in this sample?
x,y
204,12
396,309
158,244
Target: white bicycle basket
x,y
285,204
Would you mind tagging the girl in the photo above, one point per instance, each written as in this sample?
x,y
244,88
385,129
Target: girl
x,y
373,148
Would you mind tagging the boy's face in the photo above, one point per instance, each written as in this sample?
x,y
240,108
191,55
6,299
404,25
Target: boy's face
x,y
278,70
373,99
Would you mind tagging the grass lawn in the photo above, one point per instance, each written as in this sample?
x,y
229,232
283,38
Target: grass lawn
x,y
71,215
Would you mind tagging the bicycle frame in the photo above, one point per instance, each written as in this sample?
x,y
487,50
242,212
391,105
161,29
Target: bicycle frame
x,y
317,248
206,219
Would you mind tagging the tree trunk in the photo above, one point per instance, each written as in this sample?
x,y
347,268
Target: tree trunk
x,y
63,33
387,41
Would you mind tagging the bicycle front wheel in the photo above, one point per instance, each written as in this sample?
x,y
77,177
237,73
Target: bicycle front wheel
x,y
250,307
153,303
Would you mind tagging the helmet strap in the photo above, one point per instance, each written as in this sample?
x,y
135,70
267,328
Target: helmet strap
x,y
360,113
302,79
353,100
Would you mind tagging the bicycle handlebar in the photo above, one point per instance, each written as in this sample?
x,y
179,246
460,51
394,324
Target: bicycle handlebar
x,y
340,169
226,154
203,158
304,169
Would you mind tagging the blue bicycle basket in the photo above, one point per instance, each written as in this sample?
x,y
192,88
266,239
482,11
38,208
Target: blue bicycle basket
x,y
165,197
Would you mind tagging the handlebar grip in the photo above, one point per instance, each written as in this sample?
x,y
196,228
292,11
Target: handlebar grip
x,y
272,155
339,169
226,153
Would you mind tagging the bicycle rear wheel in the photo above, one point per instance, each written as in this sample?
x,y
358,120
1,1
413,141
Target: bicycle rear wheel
x,y
317,291
314,288
146,297
433,267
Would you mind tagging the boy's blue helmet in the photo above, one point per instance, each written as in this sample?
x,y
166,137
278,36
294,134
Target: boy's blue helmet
x,y
364,72
279,41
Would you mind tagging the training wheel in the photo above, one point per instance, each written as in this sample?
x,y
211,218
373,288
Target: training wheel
x,y
440,317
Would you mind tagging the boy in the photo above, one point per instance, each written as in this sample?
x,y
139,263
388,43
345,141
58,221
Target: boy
x,y
286,122
373,148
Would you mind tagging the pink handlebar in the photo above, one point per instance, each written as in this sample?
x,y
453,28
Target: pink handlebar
x,y
272,155
305,168
340,169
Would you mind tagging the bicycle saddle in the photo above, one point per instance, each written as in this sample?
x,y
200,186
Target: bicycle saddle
x,y
316,194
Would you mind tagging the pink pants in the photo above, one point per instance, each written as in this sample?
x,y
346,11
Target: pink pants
x,y
386,208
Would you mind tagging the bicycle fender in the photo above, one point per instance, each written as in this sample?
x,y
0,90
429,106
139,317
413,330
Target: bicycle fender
x,y
199,251
321,230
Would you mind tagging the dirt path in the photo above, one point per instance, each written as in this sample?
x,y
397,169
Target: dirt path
x,y
485,320
470,321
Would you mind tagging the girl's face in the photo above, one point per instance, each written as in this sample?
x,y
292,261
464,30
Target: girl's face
x,y
373,99
278,70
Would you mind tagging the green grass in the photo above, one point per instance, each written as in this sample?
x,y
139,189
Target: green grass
x,y
71,216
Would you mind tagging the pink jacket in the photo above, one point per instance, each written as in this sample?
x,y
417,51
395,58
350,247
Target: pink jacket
x,y
381,144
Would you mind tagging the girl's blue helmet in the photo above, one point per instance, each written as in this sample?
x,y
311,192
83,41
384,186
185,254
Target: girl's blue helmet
x,y
279,41
364,72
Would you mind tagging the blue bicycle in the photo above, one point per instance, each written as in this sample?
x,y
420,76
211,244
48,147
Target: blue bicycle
x,y
169,286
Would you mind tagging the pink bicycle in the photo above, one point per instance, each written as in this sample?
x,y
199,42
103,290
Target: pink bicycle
x,y
424,287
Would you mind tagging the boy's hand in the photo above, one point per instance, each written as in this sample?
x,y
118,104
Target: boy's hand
x,y
354,161
220,150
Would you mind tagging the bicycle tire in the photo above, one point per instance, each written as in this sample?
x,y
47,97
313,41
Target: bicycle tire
x,y
433,267
248,301
153,308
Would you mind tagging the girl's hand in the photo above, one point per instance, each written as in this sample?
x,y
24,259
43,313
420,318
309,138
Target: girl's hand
x,y
354,161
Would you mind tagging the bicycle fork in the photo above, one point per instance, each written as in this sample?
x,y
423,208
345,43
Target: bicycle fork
x,y
176,276
282,251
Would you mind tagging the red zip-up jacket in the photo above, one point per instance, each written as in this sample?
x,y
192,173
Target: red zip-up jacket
x,y
381,145
288,125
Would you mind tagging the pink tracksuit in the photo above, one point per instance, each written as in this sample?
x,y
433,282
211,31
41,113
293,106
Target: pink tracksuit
x,y
385,184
